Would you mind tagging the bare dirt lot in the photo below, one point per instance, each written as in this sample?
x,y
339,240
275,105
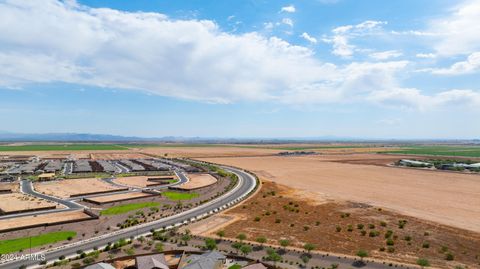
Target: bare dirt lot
x,y
139,181
42,219
67,188
447,198
13,187
118,197
117,156
197,181
209,151
276,212
18,202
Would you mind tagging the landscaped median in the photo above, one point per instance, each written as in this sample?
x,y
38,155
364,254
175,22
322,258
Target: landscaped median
x,y
121,209
18,244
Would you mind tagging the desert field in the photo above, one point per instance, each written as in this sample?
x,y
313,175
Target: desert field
x,y
50,218
69,187
278,212
117,156
198,152
118,197
13,187
17,202
197,181
443,197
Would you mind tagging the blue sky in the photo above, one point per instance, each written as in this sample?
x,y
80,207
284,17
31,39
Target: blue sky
x,y
347,68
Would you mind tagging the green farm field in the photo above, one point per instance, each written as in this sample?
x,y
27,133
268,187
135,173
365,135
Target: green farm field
x,y
61,147
23,243
457,151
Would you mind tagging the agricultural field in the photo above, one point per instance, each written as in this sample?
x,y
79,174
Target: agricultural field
x,y
278,212
61,147
122,209
178,196
456,151
17,244
444,197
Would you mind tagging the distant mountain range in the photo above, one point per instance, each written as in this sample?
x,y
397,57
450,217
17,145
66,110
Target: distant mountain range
x,y
86,137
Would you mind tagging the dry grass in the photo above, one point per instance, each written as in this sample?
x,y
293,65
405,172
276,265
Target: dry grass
x,y
443,197
283,215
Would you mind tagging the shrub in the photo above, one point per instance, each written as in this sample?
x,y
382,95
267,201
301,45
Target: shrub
x,y
390,242
423,262
363,232
388,234
257,219
449,256
383,224
371,226
407,238
278,220
360,226
391,249
338,229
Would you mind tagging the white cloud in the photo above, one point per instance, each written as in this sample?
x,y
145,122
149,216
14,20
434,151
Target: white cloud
x,y
414,99
288,9
385,55
425,55
458,33
471,65
287,21
309,38
342,35
50,41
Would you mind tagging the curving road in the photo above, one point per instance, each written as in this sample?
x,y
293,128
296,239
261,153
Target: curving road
x,y
246,184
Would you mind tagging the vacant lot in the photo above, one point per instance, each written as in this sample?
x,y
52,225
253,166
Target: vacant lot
x,y
447,198
61,147
68,187
184,151
122,209
118,197
17,202
43,219
14,245
13,187
117,156
197,181
139,181
277,212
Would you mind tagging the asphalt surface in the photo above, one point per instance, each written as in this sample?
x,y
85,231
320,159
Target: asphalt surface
x,y
246,184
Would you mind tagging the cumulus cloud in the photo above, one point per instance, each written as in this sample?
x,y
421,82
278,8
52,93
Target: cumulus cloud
x,y
458,33
341,36
288,9
51,41
385,55
469,66
309,38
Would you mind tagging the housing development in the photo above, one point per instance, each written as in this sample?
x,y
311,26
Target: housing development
x,y
218,206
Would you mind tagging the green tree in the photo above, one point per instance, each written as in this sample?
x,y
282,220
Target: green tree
x,y
309,247
241,237
186,238
362,254
237,245
284,243
221,234
245,249
305,259
262,240
210,244
423,263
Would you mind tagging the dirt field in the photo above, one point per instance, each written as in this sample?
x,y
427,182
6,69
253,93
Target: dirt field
x,y
118,197
139,182
198,152
197,181
447,198
14,187
17,202
69,187
41,219
283,215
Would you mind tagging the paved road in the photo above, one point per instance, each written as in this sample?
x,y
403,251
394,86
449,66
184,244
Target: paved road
x,y
246,184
